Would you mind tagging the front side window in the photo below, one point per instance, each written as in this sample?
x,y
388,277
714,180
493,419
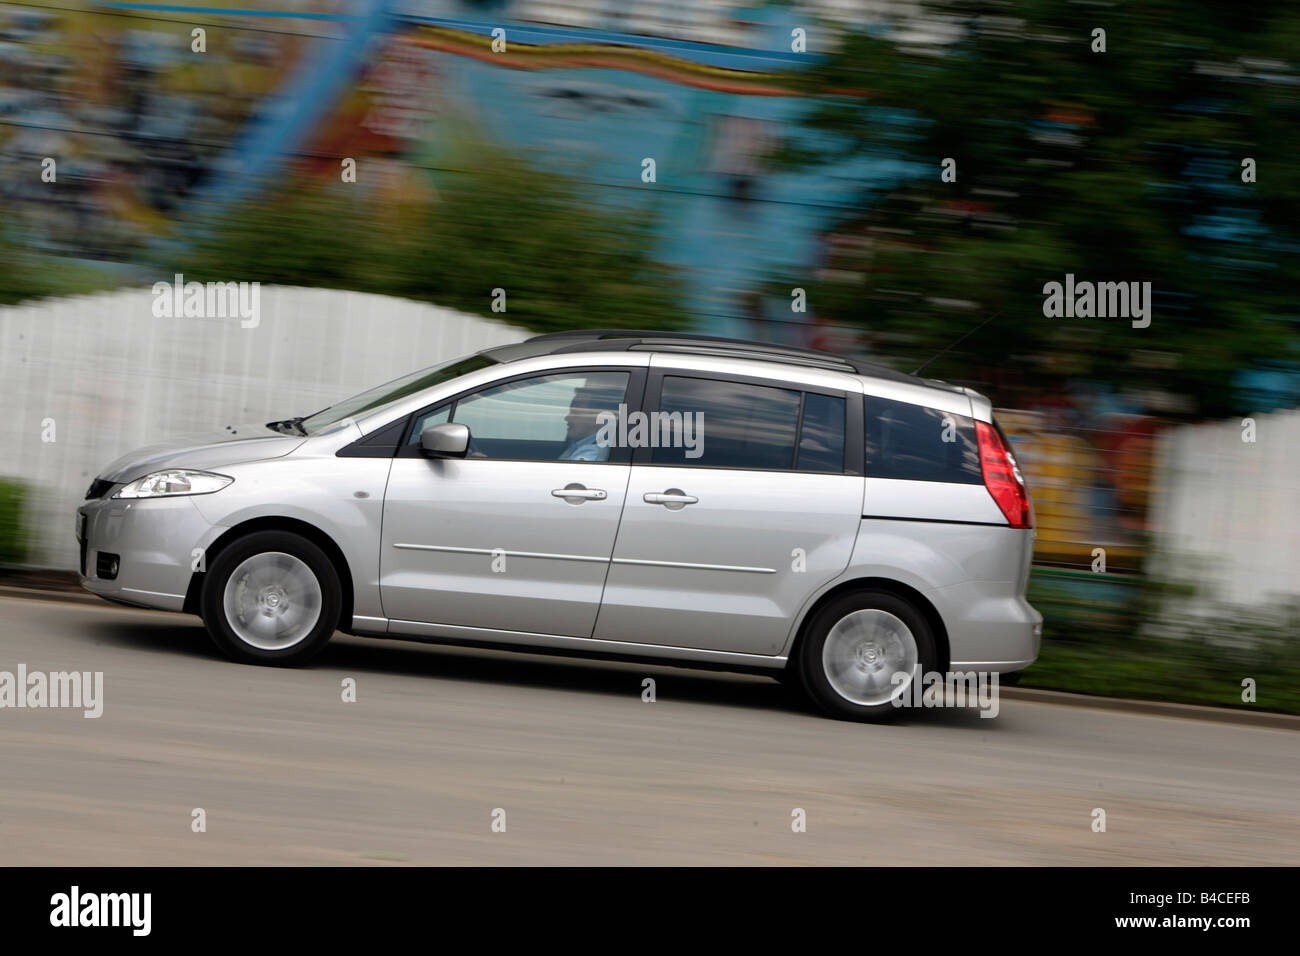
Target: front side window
x,y
554,417
439,416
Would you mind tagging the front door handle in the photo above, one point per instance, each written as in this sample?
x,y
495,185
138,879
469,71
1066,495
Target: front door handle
x,y
674,499
575,493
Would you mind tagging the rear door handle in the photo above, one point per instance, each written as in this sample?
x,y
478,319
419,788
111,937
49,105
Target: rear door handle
x,y
674,499
576,494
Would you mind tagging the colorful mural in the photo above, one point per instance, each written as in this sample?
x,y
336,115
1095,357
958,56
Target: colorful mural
x,y
149,131
1090,484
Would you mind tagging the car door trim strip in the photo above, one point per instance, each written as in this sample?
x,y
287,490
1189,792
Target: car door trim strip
x,y
499,551
697,567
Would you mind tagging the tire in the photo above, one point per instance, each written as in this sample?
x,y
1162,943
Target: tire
x,y
852,648
272,597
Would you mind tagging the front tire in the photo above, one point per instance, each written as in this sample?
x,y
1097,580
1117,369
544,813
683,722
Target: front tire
x,y
853,648
272,597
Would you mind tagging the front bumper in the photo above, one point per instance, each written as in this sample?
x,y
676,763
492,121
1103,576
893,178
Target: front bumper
x,y
155,541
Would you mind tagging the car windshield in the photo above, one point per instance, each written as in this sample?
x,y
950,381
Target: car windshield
x,y
367,401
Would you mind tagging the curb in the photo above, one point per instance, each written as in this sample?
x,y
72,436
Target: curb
x,y
1154,708
1150,708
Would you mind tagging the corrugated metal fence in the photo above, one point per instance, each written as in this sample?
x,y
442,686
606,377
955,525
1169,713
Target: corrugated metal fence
x,y
1228,513
86,379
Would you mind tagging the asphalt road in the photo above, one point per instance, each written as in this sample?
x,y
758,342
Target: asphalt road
x,y
586,772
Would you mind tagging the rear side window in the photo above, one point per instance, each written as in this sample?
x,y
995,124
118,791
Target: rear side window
x,y
917,443
742,425
821,437
731,424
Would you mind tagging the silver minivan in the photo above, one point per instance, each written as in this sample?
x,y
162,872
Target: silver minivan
x,y
639,495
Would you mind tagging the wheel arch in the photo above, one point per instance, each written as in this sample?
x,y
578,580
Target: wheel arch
x,y
898,588
278,523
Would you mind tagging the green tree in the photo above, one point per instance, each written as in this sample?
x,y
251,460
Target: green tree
x,y
1123,165
563,262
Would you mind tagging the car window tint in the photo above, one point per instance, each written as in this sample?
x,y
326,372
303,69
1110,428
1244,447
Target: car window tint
x,y
917,443
821,435
720,424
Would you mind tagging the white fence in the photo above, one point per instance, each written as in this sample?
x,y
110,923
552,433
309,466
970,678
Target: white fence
x,y
1232,507
86,379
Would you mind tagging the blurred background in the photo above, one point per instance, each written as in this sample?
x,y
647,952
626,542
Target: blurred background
x,y
797,197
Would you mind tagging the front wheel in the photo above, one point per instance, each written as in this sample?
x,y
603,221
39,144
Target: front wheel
x,y
861,653
272,597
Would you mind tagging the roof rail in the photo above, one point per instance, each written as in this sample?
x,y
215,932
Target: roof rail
x,y
684,336
580,340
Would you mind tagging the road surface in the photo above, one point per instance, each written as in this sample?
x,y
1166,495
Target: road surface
x,y
585,771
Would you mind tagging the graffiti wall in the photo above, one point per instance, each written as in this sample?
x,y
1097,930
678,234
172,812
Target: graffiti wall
x,y
1091,483
149,129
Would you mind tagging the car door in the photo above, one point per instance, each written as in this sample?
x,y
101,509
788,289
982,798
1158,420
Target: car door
x,y
517,535
722,543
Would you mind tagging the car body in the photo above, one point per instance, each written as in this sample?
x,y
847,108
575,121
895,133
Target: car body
x,y
876,511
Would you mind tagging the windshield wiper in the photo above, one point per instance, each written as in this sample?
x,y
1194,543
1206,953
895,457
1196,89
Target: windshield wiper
x,y
289,426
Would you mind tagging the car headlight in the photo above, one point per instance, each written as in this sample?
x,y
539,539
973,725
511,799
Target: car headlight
x,y
162,484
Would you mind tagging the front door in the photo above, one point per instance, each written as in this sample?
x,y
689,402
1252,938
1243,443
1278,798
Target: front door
x,y
517,535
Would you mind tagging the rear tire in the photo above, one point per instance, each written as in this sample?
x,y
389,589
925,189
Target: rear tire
x,y
853,648
272,597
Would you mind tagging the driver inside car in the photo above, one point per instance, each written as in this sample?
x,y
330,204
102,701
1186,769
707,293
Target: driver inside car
x,y
584,426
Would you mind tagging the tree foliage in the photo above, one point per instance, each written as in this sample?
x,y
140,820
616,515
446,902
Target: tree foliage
x,y
501,224
1123,165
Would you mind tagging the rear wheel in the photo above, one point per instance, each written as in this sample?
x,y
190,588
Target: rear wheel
x,y
272,597
861,653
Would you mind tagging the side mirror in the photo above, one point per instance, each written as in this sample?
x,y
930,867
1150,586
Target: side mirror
x,y
448,440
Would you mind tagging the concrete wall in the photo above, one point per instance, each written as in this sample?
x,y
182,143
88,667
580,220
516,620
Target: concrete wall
x,y
108,377
1231,507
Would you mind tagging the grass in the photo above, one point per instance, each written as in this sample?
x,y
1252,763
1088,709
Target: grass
x,y
13,535
1185,672
1138,639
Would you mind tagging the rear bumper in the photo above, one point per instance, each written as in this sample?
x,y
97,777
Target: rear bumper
x,y
998,634
154,541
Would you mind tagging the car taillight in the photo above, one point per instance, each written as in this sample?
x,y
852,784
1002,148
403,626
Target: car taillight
x,y
1002,477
